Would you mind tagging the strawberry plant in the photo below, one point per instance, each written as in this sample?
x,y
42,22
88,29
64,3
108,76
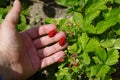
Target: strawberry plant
x,y
93,35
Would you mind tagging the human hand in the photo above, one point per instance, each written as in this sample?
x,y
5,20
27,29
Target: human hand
x,y
23,54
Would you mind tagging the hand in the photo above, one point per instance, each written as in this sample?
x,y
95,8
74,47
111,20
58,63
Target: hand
x,y
23,54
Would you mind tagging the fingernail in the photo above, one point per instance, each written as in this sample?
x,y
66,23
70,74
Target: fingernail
x,y
62,41
15,1
52,33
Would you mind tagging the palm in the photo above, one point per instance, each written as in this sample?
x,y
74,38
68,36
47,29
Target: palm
x,y
40,54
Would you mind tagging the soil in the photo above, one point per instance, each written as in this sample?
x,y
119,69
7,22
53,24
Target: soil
x,y
42,9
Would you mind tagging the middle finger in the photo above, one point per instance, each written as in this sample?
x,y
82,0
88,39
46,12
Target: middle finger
x,y
46,40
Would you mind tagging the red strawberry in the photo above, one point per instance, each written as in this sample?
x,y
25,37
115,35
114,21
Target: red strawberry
x,y
52,33
60,60
75,64
62,41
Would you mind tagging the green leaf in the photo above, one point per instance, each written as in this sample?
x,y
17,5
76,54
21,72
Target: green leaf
x,y
107,77
98,5
62,23
49,20
62,73
1,19
112,1
104,25
112,58
106,44
25,9
22,27
90,29
61,66
111,13
86,1
93,71
97,71
92,45
117,44
67,77
101,53
117,1
22,19
78,18
86,59
83,40
67,2
4,10
111,18
117,29
75,48
103,70
111,43
89,17
97,60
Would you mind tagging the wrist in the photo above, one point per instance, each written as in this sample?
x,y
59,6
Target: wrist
x,y
5,71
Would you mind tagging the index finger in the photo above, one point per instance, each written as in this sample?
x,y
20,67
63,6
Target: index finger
x,y
39,31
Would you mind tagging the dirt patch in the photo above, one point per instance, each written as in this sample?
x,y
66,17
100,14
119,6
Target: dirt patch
x,y
42,9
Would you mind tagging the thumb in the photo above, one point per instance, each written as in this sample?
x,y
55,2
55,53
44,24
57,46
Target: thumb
x,y
13,16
